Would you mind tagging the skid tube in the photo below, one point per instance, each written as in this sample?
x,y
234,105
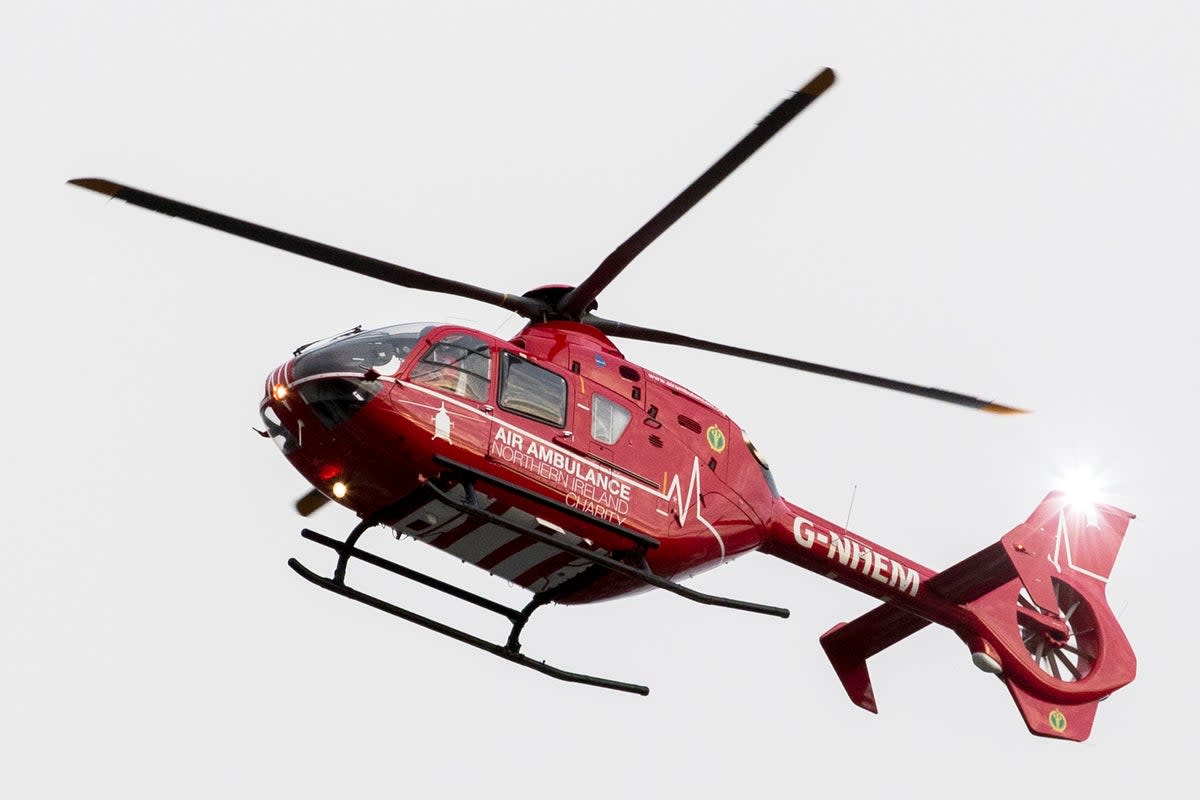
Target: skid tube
x,y
509,651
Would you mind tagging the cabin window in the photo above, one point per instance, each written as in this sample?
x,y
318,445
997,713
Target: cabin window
x,y
458,363
532,391
608,420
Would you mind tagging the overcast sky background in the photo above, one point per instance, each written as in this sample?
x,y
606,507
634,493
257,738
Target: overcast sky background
x,y
999,199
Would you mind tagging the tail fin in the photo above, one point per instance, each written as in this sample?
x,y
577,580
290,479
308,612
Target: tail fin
x,y
1033,611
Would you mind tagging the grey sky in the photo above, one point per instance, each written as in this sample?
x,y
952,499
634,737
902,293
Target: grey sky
x,y
996,199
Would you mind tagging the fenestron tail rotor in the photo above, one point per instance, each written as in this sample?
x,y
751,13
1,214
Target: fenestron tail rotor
x,y
572,304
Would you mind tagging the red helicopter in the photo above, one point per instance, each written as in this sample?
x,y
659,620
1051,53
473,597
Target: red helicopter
x,y
554,463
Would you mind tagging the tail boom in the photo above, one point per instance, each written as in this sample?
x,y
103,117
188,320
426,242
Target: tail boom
x,y
1031,607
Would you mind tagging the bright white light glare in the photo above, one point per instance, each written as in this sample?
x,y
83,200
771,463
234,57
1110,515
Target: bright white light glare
x,y
1081,487
280,391
339,490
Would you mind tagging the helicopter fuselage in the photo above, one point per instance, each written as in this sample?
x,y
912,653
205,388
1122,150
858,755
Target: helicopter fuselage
x,y
557,411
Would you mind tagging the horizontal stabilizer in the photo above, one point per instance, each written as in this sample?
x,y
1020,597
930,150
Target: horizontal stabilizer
x,y
975,575
850,644
1057,720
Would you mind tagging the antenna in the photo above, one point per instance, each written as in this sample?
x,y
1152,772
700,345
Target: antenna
x,y
853,492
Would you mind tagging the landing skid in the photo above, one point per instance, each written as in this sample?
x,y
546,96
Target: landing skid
x,y
600,564
510,651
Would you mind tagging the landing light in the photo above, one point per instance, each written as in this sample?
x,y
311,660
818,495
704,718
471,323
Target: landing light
x,y
279,392
339,490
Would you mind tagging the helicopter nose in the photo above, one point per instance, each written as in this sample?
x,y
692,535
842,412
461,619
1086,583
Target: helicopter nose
x,y
298,405
277,383
277,413
333,400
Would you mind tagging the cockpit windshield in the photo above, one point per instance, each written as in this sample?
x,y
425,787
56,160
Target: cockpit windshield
x,y
382,350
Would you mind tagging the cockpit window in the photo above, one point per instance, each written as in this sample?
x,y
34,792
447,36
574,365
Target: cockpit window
x,y
532,391
382,350
608,420
457,363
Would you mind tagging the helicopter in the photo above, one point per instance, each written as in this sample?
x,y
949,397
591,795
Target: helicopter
x,y
554,463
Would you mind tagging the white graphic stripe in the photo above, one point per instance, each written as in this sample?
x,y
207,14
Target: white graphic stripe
x,y
481,542
1062,541
521,562
684,503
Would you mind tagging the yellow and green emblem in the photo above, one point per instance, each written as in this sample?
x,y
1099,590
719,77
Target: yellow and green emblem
x,y
716,439
1058,721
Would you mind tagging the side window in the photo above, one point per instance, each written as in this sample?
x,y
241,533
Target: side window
x,y
608,420
458,363
533,391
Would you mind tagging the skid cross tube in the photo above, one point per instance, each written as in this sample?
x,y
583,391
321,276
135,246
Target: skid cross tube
x,y
510,651
643,575
348,550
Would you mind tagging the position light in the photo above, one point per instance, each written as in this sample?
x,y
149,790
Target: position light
x,y
1081,487
279,392
339,490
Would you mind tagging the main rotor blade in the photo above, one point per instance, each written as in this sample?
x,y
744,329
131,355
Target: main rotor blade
x,y
575,302
613,328
363,265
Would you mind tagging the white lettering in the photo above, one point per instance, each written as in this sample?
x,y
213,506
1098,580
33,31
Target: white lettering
x,y
840,547
905,579
882,565
867,557
595,509
804,532
858,557
586,488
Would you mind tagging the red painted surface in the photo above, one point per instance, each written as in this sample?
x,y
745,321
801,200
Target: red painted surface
x,y
683,473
